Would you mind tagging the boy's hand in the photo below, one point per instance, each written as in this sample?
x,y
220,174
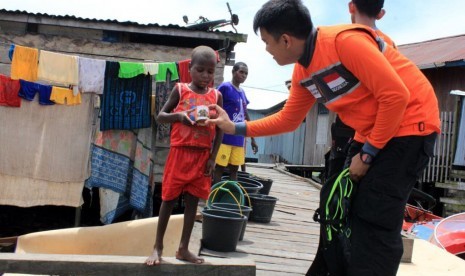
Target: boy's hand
x,y
222,120
254,146
210,167
185,117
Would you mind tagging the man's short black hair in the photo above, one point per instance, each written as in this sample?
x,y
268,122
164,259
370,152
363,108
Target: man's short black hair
x,y
238,66
284,16
370,8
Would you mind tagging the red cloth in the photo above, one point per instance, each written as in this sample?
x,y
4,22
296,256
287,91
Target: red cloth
x,y
183,71
9,92
185,172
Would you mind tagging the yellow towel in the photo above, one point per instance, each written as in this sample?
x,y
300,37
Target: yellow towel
x,y
24,63
58,68
65,96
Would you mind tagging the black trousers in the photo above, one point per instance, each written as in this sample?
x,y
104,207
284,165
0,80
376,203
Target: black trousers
x,y
379,203
378,207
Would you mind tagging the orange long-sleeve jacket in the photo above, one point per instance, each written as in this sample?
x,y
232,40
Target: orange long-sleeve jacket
x,y
381,95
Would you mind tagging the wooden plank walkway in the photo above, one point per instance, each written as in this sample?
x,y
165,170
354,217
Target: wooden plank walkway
x,y
286,245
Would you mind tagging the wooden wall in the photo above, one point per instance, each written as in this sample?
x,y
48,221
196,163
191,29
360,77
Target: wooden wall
x,y
445,79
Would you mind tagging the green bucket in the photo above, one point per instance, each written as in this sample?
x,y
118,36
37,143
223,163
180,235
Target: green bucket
x,y
228,192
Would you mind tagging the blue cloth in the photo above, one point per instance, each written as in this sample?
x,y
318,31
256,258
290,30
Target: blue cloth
x,y
139,190
108,170
126,103
29,89
121,208
235,104
11,51
121,162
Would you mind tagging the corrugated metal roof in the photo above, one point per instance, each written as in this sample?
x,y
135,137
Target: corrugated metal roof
x,y
94,20
437,52
85,19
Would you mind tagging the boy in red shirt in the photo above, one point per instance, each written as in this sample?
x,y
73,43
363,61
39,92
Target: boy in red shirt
x,y
193,148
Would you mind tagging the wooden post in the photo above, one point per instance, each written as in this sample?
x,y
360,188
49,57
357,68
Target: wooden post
x,y
93,265
408,250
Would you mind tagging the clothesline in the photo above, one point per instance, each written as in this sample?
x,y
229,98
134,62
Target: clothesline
x,y
89,54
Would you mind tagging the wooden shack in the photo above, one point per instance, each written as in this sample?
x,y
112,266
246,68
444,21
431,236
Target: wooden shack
x,y
108,40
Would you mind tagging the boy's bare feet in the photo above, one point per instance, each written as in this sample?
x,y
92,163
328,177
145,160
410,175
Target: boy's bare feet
x,y
186,255
155,258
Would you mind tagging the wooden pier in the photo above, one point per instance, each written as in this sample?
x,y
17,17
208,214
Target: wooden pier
x,y
286,246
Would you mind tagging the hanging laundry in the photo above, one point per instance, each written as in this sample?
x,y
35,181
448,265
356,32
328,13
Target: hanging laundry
x,y
11,51
130,69
9,90
150,68
24,64
121,166
184,75
64,96
91,75
58,68
48,143
126,103
28,90
163,91
163,68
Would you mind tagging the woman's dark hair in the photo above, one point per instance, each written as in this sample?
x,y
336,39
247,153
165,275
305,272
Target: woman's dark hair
x,y
370,8
284,16
238,66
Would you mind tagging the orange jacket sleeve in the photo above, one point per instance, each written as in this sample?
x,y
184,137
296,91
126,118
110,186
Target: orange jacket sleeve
x,y
290,117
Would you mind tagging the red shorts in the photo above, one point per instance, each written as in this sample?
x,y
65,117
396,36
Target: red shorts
x,y
185,172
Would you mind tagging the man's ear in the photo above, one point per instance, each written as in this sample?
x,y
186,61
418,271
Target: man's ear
x,y
381,13
287,39
352,7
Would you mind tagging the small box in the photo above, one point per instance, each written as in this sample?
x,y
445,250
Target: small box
x,y
201,114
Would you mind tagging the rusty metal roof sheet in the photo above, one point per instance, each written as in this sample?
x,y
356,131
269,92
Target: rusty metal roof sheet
x,y
94,20
439,52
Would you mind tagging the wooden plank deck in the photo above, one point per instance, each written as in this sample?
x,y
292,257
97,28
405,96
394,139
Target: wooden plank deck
x,y
103,265
286,245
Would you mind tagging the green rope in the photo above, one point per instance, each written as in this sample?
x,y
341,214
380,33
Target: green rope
x,y
344,192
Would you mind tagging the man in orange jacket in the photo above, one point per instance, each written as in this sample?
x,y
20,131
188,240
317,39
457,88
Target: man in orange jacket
x,y
375,90
365,12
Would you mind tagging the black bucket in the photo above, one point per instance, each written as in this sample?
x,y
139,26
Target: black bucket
x,y
251,186
243,174
239,173
266,185
263,207
237,209
221,229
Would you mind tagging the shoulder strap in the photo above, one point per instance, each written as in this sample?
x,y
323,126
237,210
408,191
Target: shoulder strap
x,y
379,41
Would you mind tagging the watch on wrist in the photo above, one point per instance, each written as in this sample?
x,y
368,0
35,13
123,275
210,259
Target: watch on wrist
x,y
366,157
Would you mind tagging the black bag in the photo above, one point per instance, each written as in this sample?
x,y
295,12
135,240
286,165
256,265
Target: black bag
x,y
334,247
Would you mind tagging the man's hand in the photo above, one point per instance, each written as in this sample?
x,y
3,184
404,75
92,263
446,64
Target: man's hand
x,y
357,168
222,120
254,145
